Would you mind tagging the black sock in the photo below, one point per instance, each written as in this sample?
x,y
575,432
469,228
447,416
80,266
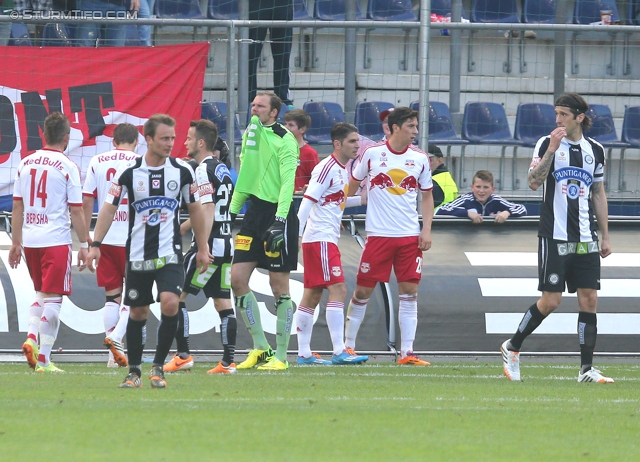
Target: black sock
x,y
228,330
530,321
135,344
166,333
587,333
182,334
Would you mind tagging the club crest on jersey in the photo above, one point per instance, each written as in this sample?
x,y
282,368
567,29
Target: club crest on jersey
x,y
364,267
409,163
172,185
588,159
155,184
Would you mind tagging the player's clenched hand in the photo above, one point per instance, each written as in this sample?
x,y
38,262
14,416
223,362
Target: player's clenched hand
x,y
556,138
92,257
424,240
203,260
274,236
82,258
15,255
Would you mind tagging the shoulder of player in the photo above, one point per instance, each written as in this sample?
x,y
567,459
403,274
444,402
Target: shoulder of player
x,y
596,147
280,130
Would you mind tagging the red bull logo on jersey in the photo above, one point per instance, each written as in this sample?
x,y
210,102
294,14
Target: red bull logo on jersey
x,y
395,181
338,198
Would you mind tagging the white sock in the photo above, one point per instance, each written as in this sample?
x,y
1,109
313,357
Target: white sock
x,y
408,320
35,313
335,323
304,320
110,316
355,316
49,326
121,327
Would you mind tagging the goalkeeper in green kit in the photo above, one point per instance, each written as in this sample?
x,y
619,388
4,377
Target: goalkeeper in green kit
x,y
268,237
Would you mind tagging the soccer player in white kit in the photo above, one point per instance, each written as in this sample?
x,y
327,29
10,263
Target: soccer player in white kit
x,y
396,170
320,217
47,185
111,272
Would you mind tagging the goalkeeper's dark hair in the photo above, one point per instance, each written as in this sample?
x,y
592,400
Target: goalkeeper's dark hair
x,y
56,127
341,130
274,100
125,133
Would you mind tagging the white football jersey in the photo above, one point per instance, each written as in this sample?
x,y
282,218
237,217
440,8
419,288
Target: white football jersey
x,y
328,190
47,182
394,179
100,172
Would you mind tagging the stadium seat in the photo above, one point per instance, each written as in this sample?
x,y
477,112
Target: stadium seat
x,y
19,35
57,35
300,10
367,118
631,136
533,121
179,9
334,10
539,11
633,14
216,112
223,9
397,10
494,11
486,124
588,11
323,117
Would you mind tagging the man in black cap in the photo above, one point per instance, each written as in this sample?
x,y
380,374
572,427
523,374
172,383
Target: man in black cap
x,y
444,187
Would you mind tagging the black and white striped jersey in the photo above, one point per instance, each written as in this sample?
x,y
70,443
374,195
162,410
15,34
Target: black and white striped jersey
x,y
567,213
154,201
215,185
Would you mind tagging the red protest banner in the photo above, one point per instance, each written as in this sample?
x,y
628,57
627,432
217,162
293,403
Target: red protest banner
x,y
96,89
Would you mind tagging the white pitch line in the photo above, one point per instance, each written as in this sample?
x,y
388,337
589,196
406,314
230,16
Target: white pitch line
x,y
528,287
615,260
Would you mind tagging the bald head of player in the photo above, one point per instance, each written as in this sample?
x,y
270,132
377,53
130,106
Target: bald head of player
x,y
57,130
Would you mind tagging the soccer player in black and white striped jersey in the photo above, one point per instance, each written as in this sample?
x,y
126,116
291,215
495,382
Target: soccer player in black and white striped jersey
x,y
570,167
155,184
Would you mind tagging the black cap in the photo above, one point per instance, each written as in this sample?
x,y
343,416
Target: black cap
x,y
434,150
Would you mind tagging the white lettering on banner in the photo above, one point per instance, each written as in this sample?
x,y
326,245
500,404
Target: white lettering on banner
x,y
90,322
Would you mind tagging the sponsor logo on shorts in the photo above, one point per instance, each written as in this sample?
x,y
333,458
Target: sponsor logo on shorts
x,y
243,242
336,271
133,294
364,267
553,278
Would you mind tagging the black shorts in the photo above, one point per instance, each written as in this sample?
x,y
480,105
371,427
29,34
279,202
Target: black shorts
x,y
575,264
216,281
250,246
139,284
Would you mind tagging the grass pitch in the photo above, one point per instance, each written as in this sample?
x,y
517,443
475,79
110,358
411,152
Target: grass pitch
x,y
376,412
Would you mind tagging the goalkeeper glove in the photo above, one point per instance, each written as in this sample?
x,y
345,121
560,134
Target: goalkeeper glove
x,y
274,238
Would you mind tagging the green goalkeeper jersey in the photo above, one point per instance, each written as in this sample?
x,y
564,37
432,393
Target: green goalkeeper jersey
x,y
268,163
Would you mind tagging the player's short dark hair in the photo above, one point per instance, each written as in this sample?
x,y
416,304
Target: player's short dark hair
x,y
206,131
400,115
125,133
299,116
274,100
151,125
484,175
577,105
56,127
341,130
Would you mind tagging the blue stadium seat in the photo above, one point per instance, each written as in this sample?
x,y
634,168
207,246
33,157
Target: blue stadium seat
x,y
396,10
223,9
333,10
367,118
441,129
495,11
216,112
633,15
443,8
57,35
588,11
19,35
539,11
323,117
486,124
179,9
603,129
533,121
631,126
300,10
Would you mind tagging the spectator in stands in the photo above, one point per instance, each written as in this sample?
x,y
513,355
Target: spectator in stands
x,y
88,33
481,202
6,6
145,12
444,187
280,39
298,122
20,6
384,118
